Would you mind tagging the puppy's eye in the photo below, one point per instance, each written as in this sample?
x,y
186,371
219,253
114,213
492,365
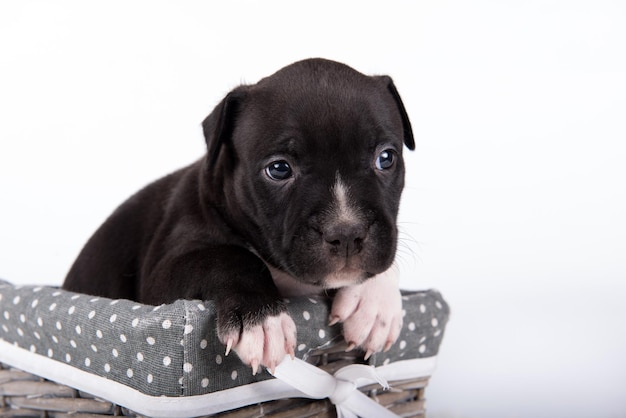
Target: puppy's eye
x,y
385,159
279,170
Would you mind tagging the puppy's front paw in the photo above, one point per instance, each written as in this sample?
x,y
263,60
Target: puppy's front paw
x,y
371,313
264,343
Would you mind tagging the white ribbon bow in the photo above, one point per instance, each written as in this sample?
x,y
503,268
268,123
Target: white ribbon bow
x,y
341,388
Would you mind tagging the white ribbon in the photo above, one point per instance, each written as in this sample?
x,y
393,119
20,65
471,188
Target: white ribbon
x,y
341,389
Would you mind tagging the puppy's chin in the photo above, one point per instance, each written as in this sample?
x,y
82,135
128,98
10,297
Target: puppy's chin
x,y
345,277
289,286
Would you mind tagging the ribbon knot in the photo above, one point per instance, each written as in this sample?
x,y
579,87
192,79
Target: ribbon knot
x,y
341,388
342,391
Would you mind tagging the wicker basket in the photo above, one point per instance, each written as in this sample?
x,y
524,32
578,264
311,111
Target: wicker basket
x,y
25,395
57,348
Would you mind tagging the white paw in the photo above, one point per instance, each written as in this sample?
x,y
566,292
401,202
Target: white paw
x,y
371,313
265,344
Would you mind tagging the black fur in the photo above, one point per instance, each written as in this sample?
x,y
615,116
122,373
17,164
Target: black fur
x,y
208,230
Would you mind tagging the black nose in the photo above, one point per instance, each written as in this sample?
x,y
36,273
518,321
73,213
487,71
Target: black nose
x,y
345,239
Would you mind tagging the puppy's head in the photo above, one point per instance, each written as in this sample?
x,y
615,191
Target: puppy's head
x,y
308,167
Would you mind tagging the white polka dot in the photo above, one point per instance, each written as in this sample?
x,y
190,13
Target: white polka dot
x,y
180,381
99,334
53,307
402,345
187,367
33,349
75,297
37,289
57,293
91,314
437,333
134,308
59,326
422,349
114,302
167,361
7,315
94,348
150,378
40,322
135,322
150,340
129,373
233,375
115,353
22,318
202,308
36,334
166,324
73,343
322,334
113,318
188,329
386,362
218,359
403,313
313,301
50,352
203,344
20,332
5,328
78,330
301,347
35,303
438,305
68,358
71,310
94,300
422,308
306,315
205,382
123,338
87,362
55,339
434,322
107,367
140,356
422,339
16,300
411,326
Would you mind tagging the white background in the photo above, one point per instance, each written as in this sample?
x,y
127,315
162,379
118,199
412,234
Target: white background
x,y
515,200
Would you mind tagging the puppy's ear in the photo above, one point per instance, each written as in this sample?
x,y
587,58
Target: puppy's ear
x,y
409,141
219,125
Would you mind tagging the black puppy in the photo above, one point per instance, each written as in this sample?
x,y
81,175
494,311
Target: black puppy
x,y
298,193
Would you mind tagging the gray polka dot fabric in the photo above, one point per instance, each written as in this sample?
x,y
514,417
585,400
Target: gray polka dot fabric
x,y
172,350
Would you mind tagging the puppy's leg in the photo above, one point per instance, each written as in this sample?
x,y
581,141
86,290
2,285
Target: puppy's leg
x,y
251,316
371,312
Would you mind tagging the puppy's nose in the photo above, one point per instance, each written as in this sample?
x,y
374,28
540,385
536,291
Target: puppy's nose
x,y
345,239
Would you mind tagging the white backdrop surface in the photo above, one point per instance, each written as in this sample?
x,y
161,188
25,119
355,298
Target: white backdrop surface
x,y
515,203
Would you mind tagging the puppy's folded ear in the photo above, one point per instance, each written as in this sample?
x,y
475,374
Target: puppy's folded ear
x,y
409,141
219,125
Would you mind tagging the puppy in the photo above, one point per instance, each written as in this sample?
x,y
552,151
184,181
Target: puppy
x,y
297,194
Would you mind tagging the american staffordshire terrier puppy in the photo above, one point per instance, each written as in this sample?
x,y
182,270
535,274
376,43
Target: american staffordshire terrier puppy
x,y
297,194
